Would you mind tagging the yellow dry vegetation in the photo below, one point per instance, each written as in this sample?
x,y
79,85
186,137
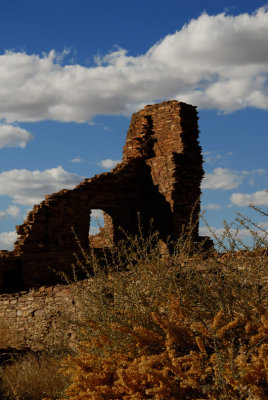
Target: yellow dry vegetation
x,y
180,325
212,359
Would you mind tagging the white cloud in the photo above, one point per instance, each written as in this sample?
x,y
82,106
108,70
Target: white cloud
x,y
259,198
2,214
219,232
212,157
221,178
212,206
242,234
11,211
259,171
254,172
7,240
109,163
97,214
30,187
218,62
93,230
76,160
13,136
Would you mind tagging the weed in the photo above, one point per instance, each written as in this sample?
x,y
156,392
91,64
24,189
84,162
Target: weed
x,y
32,376
154,324
182,325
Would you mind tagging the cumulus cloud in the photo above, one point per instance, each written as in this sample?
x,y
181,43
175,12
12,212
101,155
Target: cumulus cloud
x,y
212,157
259,198
94,230
109,163
214,61
212,206
220,232
30,187
13,136
76,160
221,178
7,240
97,214
240,233
2,214
11,211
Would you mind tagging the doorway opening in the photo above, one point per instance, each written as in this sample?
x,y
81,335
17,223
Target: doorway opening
x,y
12,279
101,229
96,221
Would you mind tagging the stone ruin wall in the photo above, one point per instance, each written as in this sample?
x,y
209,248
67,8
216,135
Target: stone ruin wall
x,y
32,317
159,177
29,319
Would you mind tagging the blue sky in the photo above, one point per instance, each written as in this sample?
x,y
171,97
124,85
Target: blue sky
x,y
73,72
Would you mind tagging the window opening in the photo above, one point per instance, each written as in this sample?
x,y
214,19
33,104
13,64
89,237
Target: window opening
x,y
96,221
12,279
101,231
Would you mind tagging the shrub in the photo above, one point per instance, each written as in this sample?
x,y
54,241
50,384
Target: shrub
x,y
212,359
153,324
179,326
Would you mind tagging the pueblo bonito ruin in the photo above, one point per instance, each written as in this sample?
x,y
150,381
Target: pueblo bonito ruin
x,y
159,178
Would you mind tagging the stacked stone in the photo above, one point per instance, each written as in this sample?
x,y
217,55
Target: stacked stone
x,y
175,158
159,178
28,318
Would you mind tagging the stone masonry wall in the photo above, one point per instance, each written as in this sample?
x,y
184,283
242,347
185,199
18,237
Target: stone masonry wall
x,y
29,319
159,177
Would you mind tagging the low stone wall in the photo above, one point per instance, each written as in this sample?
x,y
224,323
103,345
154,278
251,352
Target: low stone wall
x,y
31,319
39,317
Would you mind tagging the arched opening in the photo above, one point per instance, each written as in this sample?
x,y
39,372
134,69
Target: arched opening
x,y
96,221
101,229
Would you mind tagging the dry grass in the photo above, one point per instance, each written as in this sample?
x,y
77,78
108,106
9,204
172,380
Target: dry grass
x,y
32,377
184,325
